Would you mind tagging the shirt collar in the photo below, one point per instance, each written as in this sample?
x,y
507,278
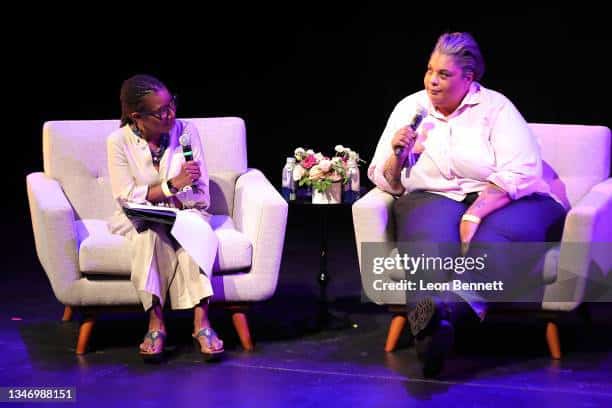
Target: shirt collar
x,y
133,137
473,97
139,141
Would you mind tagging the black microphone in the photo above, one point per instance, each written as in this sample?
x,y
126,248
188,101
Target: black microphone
x,y
416,121
185,141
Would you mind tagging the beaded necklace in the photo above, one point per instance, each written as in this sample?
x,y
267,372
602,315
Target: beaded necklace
x,y
156,154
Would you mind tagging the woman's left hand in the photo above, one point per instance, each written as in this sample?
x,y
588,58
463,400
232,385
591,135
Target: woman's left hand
x,y
467,230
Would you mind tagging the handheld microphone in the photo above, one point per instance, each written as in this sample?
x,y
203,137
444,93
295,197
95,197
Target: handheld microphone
x,y
185,141
416,121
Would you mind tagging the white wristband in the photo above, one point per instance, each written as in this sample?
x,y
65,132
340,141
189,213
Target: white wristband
x,y
165,189
471,218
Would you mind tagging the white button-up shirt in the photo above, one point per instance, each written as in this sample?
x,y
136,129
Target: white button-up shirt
x,y
485,140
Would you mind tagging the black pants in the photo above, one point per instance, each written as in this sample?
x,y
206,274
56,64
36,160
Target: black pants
x,y
511,240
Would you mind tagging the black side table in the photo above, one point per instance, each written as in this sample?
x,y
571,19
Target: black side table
x,y
325,319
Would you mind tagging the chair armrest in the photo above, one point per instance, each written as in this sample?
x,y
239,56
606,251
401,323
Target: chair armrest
x,y
54,233
587,235
373,222
373,218
260,212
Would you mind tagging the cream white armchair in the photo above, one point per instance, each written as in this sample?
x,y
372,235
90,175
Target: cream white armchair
x,y
88,267
577,166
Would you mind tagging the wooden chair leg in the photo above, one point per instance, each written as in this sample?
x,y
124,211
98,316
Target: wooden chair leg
x,y
67,314
552,338
241,324
84,334
395,330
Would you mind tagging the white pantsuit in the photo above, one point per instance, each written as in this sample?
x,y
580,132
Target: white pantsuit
x,y
160,265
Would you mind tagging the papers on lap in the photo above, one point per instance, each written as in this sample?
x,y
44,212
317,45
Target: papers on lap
x,y
190,228
134,211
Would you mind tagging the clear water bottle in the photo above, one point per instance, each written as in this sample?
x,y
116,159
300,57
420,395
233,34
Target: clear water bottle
x,y
288,187
346,188
354,181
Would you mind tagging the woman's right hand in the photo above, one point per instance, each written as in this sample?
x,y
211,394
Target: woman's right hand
x,y
190,173
404,138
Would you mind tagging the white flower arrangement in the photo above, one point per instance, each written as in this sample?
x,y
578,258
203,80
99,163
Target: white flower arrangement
x,y
319,171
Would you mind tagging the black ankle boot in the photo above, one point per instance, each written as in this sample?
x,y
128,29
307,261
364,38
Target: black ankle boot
x,y
432,325
432,349
426,314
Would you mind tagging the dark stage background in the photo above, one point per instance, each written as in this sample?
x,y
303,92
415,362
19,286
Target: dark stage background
x,y
298,76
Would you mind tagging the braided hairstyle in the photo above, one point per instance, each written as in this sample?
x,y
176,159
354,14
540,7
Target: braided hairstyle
x,y
133,90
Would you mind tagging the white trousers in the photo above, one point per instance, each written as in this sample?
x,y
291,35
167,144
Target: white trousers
x,y
176,263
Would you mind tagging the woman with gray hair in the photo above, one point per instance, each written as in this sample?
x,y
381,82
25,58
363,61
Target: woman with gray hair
x,y
465,169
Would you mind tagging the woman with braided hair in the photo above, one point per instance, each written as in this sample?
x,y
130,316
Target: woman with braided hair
x,y
147,165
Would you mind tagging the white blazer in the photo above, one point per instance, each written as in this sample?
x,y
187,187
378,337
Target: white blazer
x,y
132,172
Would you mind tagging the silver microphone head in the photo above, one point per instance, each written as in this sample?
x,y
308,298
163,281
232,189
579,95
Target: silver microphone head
x,y
420,114
185,139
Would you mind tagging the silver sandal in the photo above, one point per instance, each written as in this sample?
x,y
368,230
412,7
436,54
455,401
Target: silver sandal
x,y
208,334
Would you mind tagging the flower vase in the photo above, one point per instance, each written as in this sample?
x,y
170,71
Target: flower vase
x,y
333,195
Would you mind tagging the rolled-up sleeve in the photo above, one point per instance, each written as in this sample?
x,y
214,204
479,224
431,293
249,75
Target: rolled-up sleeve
x,y
123,183
397,119
517,154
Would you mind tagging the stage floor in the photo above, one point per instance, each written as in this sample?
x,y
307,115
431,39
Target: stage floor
x,y
296,363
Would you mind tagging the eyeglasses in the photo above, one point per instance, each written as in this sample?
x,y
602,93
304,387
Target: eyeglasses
x,y
163,112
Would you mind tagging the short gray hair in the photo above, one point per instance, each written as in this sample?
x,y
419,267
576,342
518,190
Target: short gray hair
x,y
464,49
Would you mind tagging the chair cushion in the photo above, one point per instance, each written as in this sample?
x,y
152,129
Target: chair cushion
x,y
575,157
103,253
222,185
100,251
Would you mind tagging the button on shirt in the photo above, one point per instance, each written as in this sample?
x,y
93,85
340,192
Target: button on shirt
x,y
485,140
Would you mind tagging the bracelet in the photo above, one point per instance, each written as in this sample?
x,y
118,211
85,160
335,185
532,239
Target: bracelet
x,y
471,218
165,189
